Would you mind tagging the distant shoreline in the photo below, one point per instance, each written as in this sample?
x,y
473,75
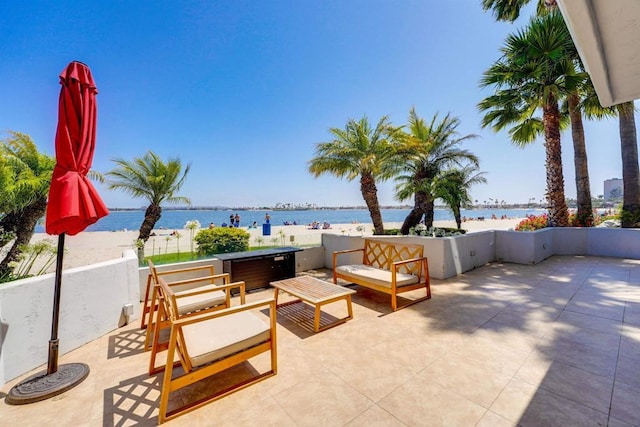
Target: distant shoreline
x,y
316,208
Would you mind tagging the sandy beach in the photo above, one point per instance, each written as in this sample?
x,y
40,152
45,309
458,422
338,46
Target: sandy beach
x,y
97,246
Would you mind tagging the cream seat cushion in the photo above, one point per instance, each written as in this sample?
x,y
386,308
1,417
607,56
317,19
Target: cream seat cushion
x,y
200,301
220,337
375,275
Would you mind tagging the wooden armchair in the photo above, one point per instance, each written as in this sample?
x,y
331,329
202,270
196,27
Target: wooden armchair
x,y
150,306
199,279
209,343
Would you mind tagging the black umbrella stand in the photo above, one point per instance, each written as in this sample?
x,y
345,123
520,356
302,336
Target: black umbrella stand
x,y
56,379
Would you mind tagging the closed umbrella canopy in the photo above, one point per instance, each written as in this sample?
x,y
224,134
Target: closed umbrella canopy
x,y
74,203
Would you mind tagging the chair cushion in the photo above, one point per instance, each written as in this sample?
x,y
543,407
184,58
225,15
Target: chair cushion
x,y
374,275
200,301
223,336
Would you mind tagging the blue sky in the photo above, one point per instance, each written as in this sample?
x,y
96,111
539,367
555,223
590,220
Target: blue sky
x,y
243,90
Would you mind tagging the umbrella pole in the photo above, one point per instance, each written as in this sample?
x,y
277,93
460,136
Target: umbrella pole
x,y
52,364
53,381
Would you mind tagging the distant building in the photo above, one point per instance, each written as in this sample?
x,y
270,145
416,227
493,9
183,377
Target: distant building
x,y
612,189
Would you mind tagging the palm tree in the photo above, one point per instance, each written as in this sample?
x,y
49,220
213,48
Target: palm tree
x,y
152,179
359,150
509,10
427,150
533,74
455,185
630,172
23,198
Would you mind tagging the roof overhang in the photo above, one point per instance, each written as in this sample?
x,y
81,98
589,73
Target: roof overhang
x,y
607,35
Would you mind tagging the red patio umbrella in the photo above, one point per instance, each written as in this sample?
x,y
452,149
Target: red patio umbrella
x,y
73,205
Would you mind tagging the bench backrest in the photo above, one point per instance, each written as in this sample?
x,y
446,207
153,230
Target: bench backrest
x,y
382,254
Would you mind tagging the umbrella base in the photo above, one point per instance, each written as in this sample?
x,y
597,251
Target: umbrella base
x,y
42,386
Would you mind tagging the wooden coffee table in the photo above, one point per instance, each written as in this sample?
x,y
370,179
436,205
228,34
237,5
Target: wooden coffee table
x,y
317,293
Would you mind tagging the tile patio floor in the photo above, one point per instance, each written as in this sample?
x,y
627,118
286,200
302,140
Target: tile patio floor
x,y
556,344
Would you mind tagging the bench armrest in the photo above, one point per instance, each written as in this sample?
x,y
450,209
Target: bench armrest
x,y
424,269
407,261
346,251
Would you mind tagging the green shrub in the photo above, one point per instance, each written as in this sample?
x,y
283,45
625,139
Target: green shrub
x,y
222,240
422,230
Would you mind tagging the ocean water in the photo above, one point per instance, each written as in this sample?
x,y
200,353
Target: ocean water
x,y
176,219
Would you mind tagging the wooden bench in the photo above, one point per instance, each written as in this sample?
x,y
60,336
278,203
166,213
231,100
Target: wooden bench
x,y
388,267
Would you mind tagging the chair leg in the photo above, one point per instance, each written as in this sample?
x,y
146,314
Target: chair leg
x,y
145,306
153,309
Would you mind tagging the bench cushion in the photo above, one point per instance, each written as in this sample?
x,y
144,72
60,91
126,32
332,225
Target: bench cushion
x,y
374,275
200,301
220,337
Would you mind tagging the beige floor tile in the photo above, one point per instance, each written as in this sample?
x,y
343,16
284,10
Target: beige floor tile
x,y
590,321
632,313
322,400
423,402
630,342
599,361
627,372
550,410
514,400
614,422
624,404
595,304
375,377
489,352
572,383
491,419
458,375
375,417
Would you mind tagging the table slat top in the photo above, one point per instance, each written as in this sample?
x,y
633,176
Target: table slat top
x,y
311,289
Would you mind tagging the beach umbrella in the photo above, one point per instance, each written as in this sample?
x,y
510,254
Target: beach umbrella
x,y
73,205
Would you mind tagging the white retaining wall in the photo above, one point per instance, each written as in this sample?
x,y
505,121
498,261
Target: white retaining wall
x,y
91,305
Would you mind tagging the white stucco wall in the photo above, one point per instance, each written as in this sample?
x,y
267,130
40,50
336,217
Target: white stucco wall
x,y
91,305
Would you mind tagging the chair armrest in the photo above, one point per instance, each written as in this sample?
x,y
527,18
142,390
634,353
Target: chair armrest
x,y
225,276
269,302
184,270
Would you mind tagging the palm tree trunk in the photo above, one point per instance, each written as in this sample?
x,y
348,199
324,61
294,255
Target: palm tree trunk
x,y
630,173
416,214
429,211
370,196
23,224
456,215
583,188
558,214
151,216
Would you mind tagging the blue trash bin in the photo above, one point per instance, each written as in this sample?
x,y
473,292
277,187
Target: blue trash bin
x,y
266,229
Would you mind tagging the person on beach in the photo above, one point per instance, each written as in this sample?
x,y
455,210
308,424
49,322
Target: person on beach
x,y
237,220
267,218
231,220
211,225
